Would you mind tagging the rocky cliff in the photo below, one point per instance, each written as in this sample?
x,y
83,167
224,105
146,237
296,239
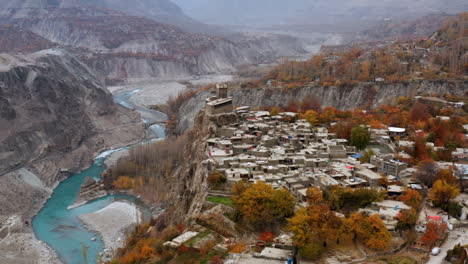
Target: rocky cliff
x,y
55,116
345,98
187,196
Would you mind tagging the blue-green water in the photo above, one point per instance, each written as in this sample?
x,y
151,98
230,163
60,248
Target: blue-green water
x,y
61,229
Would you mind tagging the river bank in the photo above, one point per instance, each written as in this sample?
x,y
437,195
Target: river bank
x,y
145,93
61,226
112,223
21,245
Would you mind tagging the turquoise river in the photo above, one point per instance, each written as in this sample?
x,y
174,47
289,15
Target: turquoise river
x,y
60,228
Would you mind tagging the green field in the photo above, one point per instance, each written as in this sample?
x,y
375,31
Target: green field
x,y
221,200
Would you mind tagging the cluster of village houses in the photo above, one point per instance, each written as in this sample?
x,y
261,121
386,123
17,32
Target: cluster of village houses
x,y
290,153
295,155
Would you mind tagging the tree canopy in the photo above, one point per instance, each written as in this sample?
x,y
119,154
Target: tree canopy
x,y
360,137
259,204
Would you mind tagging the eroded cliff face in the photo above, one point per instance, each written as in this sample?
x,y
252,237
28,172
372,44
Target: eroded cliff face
x,y
189,189
120,47
347,98
344,98
55,116
138,59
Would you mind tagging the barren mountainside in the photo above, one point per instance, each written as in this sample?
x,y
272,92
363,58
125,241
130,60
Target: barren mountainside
x,y
51,104
55,116
163,11
120,46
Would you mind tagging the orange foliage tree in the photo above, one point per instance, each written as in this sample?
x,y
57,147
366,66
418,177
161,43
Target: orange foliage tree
x,y
434,232
412,198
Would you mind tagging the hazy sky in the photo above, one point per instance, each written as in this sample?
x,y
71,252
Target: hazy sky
x,y
266,12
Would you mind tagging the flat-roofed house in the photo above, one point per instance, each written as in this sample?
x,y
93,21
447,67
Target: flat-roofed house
x,y
237,174
371,177
393,167
337,151
396,131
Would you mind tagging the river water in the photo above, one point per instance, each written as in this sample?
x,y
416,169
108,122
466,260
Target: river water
x,y
59,227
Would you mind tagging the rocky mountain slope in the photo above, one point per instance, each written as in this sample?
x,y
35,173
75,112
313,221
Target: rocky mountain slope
x,y
54,117
118,46
14,40
163,11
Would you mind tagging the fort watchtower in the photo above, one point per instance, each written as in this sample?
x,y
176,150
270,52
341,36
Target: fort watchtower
x,y
220,103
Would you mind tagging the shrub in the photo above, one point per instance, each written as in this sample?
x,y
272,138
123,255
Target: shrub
x,y
454,209
216,178
311,251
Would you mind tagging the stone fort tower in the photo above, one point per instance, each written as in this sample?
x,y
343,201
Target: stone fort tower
x,y
222,90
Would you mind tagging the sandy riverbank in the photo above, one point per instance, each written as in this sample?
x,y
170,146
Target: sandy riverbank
x,y
112,221
22,247
154,91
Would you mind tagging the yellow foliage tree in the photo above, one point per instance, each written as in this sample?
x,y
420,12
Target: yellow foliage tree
x,y
374,233
124,183
300,226
311,116
274,111
328,115
442,192
259,204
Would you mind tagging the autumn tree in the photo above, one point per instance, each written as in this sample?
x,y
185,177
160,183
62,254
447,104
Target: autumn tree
x,y
311,102
124,183
274,111
266,236
407,219
419,112
360,137
434,231
293,106
427,172
216,178
316,223
412,198
301,227
260,205
365,71
420,150
239,187
328,115
311,251
343,129
311,116
447,175
314,196
373,232
442,192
